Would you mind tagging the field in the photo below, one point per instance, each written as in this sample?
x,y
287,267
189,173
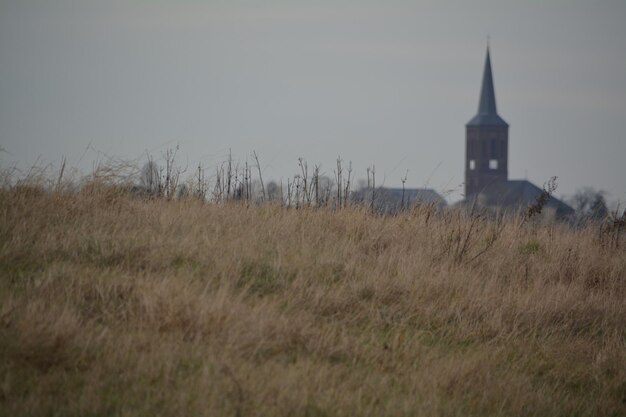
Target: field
x,y
113,305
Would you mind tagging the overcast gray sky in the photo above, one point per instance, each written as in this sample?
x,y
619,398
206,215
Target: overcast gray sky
x,y
390,83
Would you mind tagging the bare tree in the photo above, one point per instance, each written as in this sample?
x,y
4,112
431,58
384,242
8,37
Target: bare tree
x,y
274,192
200,190
172,172
589,204
151,178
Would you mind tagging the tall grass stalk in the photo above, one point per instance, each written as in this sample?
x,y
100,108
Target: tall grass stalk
x,y
113,305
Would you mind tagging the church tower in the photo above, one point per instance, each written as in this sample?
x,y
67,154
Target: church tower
x,y
486,140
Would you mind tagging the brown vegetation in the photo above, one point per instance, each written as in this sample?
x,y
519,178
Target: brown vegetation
x,y
111,305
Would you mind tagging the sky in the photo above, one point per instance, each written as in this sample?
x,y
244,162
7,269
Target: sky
x,y
384,83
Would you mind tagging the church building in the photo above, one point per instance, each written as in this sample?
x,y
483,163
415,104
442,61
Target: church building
x,y
486,159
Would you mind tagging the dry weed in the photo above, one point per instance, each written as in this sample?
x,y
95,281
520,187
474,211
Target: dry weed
x,y
111,305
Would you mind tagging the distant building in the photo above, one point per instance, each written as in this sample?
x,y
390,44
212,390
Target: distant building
x,y
486,159
393,200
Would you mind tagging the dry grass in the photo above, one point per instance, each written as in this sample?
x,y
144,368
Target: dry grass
x,y
115,306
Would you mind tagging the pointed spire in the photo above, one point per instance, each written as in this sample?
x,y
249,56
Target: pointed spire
x,y
487,104
487,111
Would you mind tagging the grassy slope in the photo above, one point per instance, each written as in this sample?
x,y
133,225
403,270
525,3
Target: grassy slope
x,y
112,306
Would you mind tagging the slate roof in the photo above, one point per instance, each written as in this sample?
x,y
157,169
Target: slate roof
x,y
487,112
516,194
412,195
389,200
